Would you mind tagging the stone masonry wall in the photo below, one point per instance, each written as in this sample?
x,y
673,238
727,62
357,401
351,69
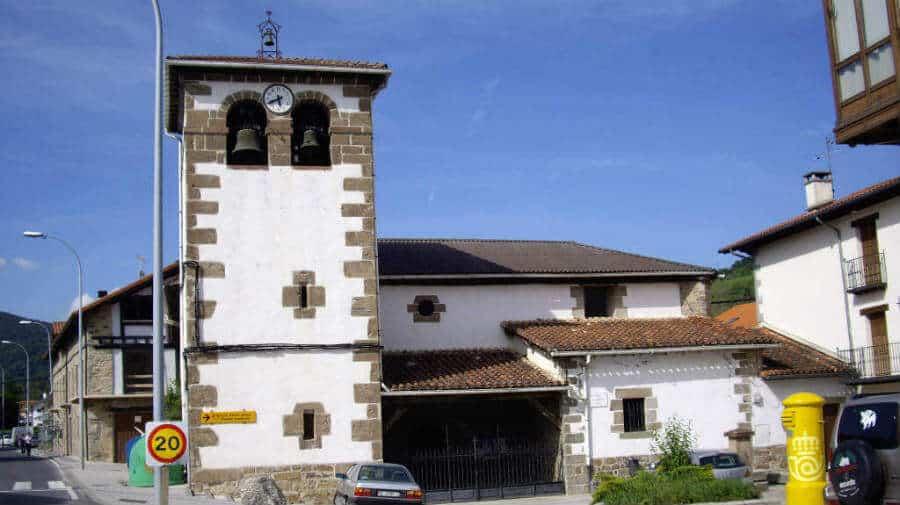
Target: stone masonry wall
x,y
694,297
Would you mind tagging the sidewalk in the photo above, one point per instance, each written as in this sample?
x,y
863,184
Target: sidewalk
x,y
105,483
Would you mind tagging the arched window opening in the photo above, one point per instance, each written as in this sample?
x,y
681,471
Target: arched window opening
x,y
310,139
246,123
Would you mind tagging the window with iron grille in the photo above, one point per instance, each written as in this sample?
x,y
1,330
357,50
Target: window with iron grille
x,y
634,414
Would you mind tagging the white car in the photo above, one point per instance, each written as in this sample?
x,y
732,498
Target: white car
x,y
6,440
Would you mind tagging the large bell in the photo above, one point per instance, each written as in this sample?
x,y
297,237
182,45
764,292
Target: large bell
x,y
247,141
268,39
309,149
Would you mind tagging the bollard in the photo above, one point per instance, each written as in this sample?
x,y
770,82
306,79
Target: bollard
x,y
802,419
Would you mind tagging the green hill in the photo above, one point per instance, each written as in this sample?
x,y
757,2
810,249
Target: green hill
x,y
34,339
734,286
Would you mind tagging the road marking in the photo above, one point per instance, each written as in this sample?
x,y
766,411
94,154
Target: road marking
x,y
22,486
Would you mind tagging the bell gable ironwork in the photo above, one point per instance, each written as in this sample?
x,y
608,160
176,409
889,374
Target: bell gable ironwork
x,y
268,38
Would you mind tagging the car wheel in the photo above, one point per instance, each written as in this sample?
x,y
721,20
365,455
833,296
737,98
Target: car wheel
x,y
856,474
339,500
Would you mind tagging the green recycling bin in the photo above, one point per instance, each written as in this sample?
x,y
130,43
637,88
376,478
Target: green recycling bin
x,y
141,475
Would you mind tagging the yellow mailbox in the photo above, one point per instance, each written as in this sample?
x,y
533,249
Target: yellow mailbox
x,y
802,419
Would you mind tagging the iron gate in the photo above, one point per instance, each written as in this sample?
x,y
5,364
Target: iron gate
x,y
488,469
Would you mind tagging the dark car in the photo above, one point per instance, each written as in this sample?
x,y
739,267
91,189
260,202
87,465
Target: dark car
x,y
377,484
866,458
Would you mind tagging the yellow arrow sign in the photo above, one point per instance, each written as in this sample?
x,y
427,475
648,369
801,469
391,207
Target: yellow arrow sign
x,y
229,417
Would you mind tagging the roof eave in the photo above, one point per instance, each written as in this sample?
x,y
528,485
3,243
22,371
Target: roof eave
x,y
658,350
398,277
476,391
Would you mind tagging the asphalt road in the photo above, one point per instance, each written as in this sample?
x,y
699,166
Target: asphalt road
x,y
34,481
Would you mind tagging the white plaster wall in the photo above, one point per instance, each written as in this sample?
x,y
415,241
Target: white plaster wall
x,y
474,313
658,299
696,386
118,372
799,287
767,406
271,223
271,384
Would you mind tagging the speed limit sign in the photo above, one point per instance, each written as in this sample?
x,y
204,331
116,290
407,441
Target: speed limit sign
x,y
166,443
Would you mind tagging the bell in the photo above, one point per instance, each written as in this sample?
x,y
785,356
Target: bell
x,y
247,140
309,149
268,39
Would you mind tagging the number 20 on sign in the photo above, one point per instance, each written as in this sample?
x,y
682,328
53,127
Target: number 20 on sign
x,y
166,443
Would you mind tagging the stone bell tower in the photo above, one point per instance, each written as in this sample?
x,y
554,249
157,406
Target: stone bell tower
x,y
278,254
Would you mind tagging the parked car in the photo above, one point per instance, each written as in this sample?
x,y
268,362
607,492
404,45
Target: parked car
x,y
866,456
6,440
377,484
725,465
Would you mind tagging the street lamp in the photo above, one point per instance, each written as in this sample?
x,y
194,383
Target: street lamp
x,y
2,398
49,353
27,379
82,423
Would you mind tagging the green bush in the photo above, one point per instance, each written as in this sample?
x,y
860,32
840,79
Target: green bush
x,y
680,486
673,444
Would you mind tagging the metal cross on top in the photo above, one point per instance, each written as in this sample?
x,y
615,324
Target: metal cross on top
x,y
268,38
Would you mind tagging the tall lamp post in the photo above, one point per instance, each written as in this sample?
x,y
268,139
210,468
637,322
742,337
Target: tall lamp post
x,y
49,354
28,419
82,422
2,398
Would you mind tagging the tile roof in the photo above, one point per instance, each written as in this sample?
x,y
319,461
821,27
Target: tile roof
x,y
141,282
436,257
743,315
57,327
793,358
462,369
858,200
613,334
317,62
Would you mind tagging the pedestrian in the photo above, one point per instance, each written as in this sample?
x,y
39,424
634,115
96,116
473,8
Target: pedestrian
x,y
20,443
27,444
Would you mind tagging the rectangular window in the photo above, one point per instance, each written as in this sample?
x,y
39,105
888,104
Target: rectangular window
x,y
595,303
875,21
309,425
137,308
303,294
881,64
138,369
846,36
850,79
634,414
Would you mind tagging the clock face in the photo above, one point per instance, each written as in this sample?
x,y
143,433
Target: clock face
x,y
278,98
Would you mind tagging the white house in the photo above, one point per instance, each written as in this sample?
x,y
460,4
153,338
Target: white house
x,y
824,278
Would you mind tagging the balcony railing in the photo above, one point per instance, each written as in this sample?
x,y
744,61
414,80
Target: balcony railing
x,y
865,273
874,361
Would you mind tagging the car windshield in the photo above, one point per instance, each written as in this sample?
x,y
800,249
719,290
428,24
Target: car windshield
x,y
384,473
724,460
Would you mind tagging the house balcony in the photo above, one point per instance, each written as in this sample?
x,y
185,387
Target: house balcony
x,y
874,361
866,273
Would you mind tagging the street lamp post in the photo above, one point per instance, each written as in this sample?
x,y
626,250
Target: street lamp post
x,y
2,398
49,354
82,422
28,419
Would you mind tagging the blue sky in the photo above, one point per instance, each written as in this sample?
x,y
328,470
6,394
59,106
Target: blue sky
x,y
667,128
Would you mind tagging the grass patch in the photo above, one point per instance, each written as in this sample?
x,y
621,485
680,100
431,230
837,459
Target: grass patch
x,y
683,485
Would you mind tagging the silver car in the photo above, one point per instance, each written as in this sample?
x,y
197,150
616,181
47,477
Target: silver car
x,y
377,484
725,465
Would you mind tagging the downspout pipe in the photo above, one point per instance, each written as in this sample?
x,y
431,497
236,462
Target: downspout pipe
x,y
840,244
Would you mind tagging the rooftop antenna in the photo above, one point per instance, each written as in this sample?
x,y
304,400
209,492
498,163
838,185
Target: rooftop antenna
x,y
141,261
268,38
829,141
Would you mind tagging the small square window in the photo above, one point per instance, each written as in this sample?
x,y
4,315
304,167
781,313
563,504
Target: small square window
x,y
309,425
303,295
634,414
595,302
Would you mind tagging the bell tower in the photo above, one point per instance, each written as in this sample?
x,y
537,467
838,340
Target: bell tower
x,y
278,254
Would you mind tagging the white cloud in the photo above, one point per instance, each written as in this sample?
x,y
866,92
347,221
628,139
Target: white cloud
x,y
25,264
85,299
2,262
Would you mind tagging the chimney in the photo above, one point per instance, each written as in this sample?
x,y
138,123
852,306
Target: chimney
x,y
102,293
819,189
